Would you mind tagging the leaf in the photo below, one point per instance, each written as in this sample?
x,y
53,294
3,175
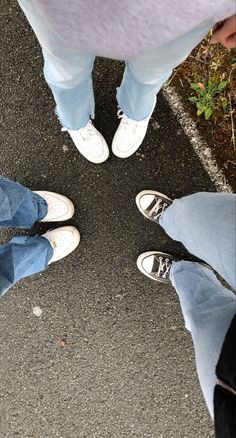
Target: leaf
x,y
222,85
208,112
200,106
212,94
199,112
209,96
193,99
197,78
225,104
194,86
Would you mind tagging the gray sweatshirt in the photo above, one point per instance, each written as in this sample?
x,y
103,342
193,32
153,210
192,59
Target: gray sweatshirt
x,y
122,29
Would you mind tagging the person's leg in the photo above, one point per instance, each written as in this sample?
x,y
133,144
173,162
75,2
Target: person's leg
x,y
69,75
208,309
21,257
24,256
143,78
67,72
19,206
206,225
145,75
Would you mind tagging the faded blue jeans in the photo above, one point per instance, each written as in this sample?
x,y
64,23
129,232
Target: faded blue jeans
x,y
23,255
69,72
206,225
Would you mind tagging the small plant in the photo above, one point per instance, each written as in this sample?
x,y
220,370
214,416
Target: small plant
x,y
205,94
225,105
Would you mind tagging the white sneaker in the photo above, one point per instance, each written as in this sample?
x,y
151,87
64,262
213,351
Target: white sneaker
x,y
129,135
63,240
60,208
90,143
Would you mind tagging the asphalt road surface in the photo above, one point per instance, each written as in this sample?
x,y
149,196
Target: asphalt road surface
x,y
109,356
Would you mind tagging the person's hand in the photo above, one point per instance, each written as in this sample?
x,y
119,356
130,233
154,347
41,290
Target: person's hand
x,y
225,33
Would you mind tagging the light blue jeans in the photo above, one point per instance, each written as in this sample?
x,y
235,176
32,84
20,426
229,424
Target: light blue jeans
x,y
23,255
69,72
206,225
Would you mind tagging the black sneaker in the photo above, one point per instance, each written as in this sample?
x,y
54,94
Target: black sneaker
x,y
156,265
152,204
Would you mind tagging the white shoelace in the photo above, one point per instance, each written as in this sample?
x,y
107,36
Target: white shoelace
x,y
164,267
85,133
158,209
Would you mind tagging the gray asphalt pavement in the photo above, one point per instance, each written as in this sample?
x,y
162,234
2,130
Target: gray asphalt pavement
x,y
109,357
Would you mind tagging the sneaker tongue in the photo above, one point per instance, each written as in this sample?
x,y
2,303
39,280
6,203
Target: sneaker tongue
x,y
156,264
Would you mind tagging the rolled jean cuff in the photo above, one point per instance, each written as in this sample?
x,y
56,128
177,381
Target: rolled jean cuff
x,y
21,257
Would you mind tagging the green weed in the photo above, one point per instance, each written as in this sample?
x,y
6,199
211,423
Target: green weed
x,y
205,95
